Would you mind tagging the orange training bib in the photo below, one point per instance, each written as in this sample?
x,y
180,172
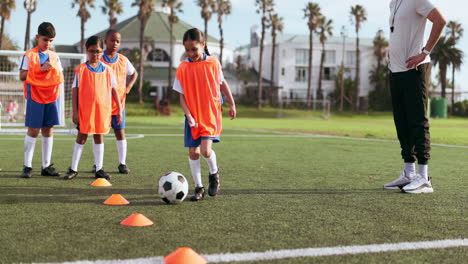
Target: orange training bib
x,y
201,84
94,100
120,70
45,85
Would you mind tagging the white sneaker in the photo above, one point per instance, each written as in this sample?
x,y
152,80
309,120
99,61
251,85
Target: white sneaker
x,y
419,185
403,180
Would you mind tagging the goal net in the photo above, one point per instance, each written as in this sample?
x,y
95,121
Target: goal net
x,y
12,102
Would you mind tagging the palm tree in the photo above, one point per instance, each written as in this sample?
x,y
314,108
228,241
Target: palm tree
x,y
263,7
30,6
379,98
84,14
206,13
312,14
276,24
6,6
380,47
325,30
455,32
222,8
358,16
176,7
112,7
145,8
444,54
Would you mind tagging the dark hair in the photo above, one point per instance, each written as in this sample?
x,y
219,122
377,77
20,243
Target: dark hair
x,y
94,40
195,34
46,29
110,32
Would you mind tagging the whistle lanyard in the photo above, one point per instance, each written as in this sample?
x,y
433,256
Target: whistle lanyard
x,y
392,28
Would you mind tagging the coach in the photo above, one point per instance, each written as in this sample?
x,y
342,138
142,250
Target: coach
x,y
409,64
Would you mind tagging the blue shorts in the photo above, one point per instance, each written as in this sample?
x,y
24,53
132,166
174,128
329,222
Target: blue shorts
x,y
114,121
41,115
189,142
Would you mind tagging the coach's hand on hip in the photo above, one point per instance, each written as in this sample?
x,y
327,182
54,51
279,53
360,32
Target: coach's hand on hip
x,y
413,62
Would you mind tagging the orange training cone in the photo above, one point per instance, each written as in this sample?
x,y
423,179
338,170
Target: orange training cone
x,y
101,182
184,255
116,199
136,220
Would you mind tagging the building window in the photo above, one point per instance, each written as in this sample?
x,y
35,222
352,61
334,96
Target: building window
x,y
350,58
330,57
302,56
282,71
157,55
284,53
301,74
329,73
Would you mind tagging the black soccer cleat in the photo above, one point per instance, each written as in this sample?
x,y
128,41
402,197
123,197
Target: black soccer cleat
x,y
70,174
123,169
213,188
198,195
49,171
27,172
102,174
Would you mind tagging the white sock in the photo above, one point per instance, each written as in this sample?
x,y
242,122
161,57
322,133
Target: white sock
x,y
212,164
98,150
195,167
122,150
47,144
77,151
29,144
410,168
422,170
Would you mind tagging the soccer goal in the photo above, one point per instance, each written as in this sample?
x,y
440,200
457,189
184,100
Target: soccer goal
x,y
12,101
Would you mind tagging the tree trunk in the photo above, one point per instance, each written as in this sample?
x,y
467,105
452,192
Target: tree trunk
x,y
309,69
26,37
221,43
272,74
2,27
358,71
206,30
341,87
443,79
142,68
260,80
322,59
82,42
453,90
111,19
169,75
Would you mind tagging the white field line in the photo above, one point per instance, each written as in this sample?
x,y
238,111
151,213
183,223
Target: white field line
x,y
302,252
275,134
107,137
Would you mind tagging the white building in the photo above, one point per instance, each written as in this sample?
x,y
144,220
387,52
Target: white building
x,y
291,70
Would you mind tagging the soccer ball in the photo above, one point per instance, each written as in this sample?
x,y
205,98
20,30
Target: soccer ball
x,y
173,187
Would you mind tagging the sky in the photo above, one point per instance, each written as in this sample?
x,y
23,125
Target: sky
x,y
237,25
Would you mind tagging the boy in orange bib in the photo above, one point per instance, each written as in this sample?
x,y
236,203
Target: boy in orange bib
x,y
93,90
122,68
200,81
41,72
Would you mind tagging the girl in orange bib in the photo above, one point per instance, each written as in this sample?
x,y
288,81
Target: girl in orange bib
x,y
200,81
92,95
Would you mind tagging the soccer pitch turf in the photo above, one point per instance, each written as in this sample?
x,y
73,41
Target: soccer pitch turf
x,y
279,191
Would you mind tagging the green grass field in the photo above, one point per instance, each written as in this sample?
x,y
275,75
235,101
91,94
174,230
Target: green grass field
x,y
280,190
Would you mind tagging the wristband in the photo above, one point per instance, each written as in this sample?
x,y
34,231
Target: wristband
x,y
426,51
